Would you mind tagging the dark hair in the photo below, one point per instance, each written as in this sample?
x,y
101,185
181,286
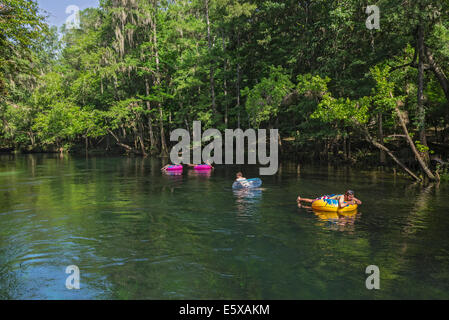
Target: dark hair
x,y
349,193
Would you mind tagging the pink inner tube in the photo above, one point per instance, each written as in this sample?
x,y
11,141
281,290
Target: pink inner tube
x,y
203,167
174,168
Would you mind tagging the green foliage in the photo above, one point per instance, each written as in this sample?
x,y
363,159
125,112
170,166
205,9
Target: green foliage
x,y
381,93
21,25
422,148
56,124
139,69
17,120
444,175
264,100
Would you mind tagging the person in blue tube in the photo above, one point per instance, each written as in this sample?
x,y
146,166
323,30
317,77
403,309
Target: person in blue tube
x,y
241,179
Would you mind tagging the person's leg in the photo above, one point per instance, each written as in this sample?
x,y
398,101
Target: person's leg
x,y
299,199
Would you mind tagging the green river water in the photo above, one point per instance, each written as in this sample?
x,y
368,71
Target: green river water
x,y
137,234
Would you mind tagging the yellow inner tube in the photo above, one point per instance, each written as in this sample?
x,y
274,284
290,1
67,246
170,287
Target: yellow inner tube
x,y
327,215
331,205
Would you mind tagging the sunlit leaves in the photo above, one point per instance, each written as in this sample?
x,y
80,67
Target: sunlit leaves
x,y
357,111
264,100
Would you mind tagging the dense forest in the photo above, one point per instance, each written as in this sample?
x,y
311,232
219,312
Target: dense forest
x,y
135,70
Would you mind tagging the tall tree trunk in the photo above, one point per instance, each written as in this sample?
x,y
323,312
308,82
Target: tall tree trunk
x,y
421,110
141,141
439,73
349,146
211,69
238,95
225,87
381,139
238,83
279,138
153,145
164,149
32,139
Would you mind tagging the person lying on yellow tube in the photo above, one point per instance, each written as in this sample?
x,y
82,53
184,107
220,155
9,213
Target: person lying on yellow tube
x,y
344,200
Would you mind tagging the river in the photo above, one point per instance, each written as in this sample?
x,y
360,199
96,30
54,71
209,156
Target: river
x,y
135,233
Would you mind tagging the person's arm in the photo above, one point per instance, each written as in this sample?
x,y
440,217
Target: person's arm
x,y
342,203
357,201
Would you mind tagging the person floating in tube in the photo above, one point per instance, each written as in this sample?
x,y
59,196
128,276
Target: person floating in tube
x,y
344,200
164,168
192,165
242,180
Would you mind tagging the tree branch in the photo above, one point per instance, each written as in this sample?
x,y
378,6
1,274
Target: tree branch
x,y
439,73
410,64
370,139
423,165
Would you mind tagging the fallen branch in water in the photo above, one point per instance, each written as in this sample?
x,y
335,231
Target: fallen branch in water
x,y
130,149
418,156
370,139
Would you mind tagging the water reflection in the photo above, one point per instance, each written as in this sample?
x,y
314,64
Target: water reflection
x,y
172,173
246,200
172,176
199,173
248,195
343,221
419,212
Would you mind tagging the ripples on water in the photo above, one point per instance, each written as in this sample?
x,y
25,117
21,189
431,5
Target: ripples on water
x,y
138,234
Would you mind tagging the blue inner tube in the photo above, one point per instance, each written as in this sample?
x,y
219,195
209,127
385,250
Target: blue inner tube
x,y
248,183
